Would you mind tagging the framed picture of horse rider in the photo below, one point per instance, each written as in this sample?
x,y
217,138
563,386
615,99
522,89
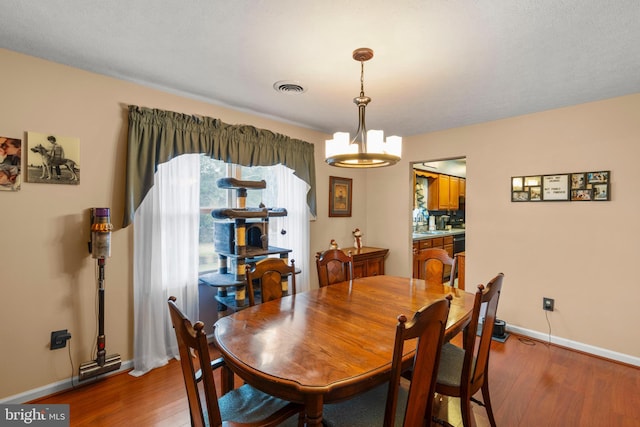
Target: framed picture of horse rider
x,y
53,159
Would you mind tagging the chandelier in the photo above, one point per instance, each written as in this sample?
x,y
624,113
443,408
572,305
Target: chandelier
x,y
367,149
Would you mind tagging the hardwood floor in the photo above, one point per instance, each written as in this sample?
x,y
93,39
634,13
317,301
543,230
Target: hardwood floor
x,y
532,384
535,384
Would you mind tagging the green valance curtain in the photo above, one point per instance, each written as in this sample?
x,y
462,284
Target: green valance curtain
x,y
157,136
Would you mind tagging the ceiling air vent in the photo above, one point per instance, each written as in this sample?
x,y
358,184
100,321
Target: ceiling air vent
x,y
288,87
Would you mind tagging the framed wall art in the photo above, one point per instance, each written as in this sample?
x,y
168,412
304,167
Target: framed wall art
x,y
10,163
53,159
599,184
590,186
526,188
601,191
578,181
583,195
574,187
340,196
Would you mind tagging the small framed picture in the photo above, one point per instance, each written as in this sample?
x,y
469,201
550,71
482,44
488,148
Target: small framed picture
x,y
598,177
535,193
601,192
578,181
519,196
339,196
532,181
10,163
516,183
583,195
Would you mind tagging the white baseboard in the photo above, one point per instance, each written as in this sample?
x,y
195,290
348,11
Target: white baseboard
x,y
56,387
574,345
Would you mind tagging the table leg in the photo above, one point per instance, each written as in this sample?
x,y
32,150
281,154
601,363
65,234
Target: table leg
x,y
313,410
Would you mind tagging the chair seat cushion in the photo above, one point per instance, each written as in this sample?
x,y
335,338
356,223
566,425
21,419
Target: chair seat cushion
x,y
365,410
450,369
247,404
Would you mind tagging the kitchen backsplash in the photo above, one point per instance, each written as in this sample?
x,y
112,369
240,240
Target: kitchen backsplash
x,y
456,219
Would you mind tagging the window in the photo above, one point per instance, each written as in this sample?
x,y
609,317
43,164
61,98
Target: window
x,y
212,197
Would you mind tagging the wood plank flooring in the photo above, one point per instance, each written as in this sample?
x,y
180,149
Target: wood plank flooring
x,y
532,384
536,384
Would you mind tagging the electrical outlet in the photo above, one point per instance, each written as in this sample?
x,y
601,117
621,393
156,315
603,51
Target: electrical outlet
x,y
548,303
59,339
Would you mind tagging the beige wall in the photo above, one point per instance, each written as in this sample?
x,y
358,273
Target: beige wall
x,y
580,254
551,249
48,277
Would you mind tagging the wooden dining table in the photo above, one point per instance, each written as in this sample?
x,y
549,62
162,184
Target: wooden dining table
x,y
329,344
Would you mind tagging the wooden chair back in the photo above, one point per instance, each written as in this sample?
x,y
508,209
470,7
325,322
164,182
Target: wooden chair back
x,y
334,266
271,275
428,326
476,360
193,338
463,371
436,266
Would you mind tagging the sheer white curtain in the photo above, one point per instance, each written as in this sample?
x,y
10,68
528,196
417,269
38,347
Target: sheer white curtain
x,y
292,195
165,259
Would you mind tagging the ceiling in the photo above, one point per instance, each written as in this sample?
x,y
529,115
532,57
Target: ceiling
x,y
438,64
455,167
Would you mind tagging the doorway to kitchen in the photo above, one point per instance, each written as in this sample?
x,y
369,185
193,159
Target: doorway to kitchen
x,y
439,203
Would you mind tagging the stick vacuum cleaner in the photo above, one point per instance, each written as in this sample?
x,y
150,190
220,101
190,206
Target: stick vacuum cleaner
x,y
100,248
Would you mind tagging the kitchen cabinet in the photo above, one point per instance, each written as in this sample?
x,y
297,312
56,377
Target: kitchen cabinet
x,y
444,192
448,245
454,193
367,261
462,190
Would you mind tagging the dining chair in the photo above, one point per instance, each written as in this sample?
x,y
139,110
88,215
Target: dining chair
x,y
334,266
272,275
464,370
433,264
244,406
392,403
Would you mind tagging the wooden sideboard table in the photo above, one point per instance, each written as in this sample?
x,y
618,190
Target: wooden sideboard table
x,y
367,261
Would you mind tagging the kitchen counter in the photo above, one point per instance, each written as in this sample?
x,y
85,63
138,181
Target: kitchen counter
x,y
438,233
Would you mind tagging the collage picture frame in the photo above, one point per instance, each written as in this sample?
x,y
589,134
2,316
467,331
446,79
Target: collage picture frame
x,y
574,187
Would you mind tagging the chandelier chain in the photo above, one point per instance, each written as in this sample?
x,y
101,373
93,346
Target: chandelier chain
x,y
362,79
